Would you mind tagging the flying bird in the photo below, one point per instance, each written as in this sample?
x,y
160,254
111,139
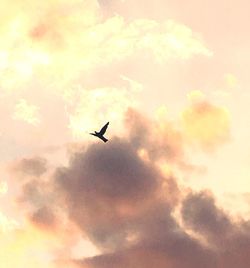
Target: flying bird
x,y
101,133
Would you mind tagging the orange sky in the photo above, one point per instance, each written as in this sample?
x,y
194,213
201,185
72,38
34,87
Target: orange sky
x,y
172,80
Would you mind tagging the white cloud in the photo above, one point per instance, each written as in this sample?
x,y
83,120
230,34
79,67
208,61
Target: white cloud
x,y
58,50
26,112
115,39
7,224
90,109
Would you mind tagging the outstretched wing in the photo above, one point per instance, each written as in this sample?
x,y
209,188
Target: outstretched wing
x,y
103,130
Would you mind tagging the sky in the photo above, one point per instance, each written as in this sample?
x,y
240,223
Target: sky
x,y
171,187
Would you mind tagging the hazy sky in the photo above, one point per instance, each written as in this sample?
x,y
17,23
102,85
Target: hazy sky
x,y
171,187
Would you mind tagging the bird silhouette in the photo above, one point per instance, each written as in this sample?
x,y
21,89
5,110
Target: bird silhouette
x,y
101,133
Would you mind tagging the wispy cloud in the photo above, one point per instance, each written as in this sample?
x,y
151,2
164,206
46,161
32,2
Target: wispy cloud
x,y
26,112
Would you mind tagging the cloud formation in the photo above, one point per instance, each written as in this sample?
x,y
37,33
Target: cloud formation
x,y
48,43
113,181
230,238
99,103
117,200
123,203
67,67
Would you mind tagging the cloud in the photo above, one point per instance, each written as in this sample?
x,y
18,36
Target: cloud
x,y
160,243
121,202
102,104
229,237
44,218
165,254
46,41
205,124
160,138
163,243
126,207
42,204
26,112
112,181
35,166
200,212
7,224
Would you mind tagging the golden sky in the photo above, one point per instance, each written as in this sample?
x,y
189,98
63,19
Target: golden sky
x,y
171,187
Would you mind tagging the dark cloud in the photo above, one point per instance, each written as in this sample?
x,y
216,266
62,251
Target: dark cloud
x,y
116,199
229,238
200,213
161,243
106,188
125,205
175,252
35,166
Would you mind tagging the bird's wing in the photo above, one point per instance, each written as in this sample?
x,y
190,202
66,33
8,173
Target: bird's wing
x,y
103,130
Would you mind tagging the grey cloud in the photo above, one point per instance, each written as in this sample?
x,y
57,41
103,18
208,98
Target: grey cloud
x,y
174,253
90,185
162,244
105,189
44,217
35,166
199,212
118,201
230,238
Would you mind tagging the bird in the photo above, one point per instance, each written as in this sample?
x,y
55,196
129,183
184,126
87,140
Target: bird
x,y
101,133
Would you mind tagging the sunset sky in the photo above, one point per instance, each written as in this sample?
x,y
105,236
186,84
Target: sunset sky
x,y
171,187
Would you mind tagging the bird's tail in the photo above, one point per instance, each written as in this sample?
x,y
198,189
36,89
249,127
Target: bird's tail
x,y
104,139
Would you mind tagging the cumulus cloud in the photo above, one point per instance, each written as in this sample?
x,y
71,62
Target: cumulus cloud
x,y
124,205
164,244
115,198
112,181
